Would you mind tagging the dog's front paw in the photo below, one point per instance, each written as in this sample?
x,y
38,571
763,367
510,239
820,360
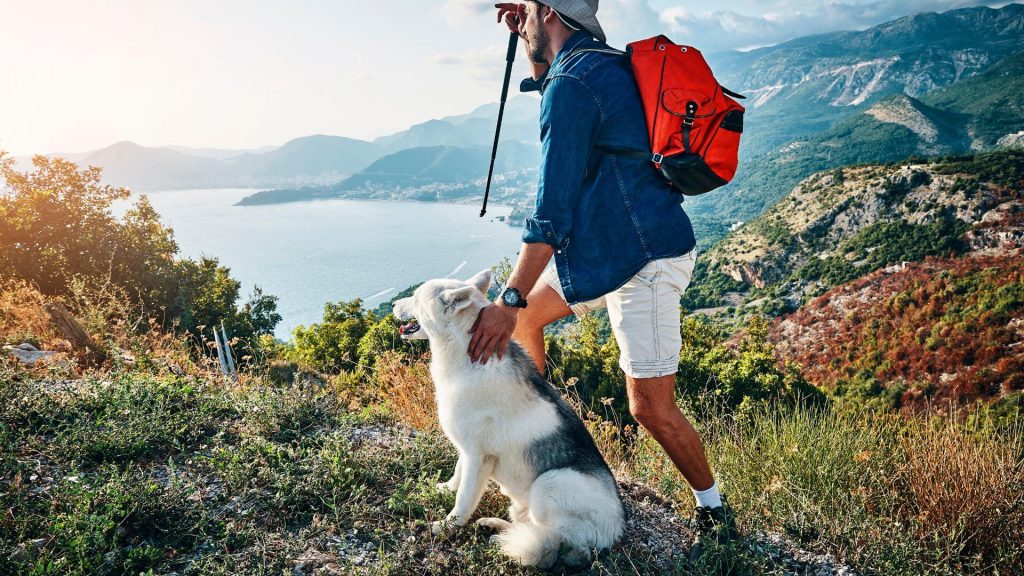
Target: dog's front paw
x,y
496,524
445,487
441,526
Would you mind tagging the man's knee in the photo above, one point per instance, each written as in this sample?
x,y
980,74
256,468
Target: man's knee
x,y
529,324
652,403
652,417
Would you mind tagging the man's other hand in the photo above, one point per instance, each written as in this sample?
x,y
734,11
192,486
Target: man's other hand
x,y
491,332
513,14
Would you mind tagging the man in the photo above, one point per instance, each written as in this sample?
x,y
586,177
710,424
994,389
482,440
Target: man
x,y
618,233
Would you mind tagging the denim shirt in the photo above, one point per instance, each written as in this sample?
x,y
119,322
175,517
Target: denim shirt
x,y
606,216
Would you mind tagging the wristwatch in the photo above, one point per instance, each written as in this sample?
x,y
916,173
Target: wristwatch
x,y
512,298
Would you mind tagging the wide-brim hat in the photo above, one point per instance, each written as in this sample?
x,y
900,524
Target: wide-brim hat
x,y
582,11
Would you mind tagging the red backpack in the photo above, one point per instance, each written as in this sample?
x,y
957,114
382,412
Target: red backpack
x,y
693,121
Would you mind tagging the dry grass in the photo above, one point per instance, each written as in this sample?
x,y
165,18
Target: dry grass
x,y
22,318
407,390
927,495
105,313
966,489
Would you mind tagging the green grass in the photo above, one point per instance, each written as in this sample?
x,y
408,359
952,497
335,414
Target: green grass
x,y
147,474
138,473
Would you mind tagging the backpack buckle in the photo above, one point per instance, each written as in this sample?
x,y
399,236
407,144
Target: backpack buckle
x,y
657,158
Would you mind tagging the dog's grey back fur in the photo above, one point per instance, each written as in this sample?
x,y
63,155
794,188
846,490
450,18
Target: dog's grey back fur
x,y
570,445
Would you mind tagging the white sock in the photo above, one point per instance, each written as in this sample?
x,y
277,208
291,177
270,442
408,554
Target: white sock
x,y
709,498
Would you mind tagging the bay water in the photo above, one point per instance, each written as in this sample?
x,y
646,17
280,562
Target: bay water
x,y
311,253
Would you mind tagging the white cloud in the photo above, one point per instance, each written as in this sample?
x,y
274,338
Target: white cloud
x,y
485,65
459,12
755,22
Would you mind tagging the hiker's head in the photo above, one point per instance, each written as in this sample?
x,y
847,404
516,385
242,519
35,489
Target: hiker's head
x,y
553,20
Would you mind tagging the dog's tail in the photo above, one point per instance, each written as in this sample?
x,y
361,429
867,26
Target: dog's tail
x,y
530,544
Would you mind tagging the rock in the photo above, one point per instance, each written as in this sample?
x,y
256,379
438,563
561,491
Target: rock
x,y
1015,140
309,561
19,556
30,355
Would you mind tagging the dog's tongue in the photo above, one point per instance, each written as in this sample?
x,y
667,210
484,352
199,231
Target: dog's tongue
x,y
409,328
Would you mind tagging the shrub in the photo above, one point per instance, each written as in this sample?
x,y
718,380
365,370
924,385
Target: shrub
x,y
333,344
57,229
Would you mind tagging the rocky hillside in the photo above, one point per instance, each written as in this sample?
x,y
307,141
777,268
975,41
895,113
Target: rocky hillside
x,y
980,113
839,225
929,333
804,85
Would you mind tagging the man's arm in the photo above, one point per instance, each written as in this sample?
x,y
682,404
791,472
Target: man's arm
x,y
495,324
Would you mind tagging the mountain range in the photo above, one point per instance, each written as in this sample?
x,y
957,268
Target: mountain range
x,y
979,113
804,85
317,160
921,85
900,284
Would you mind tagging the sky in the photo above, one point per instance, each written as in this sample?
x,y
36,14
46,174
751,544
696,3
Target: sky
x,y
78,75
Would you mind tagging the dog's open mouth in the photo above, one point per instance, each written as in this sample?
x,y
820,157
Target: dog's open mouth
x,y
409,329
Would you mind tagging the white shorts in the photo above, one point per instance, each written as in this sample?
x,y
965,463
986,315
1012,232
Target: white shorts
x,y
644,314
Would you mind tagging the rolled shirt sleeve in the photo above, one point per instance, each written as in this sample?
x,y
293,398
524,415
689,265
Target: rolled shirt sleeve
x,y
531,84
569,121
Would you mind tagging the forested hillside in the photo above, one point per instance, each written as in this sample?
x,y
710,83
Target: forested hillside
x,y
978,114
845,223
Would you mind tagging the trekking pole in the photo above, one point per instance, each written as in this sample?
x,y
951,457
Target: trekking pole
x,y
513,41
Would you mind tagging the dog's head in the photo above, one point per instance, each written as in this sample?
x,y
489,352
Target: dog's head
x,y
441,307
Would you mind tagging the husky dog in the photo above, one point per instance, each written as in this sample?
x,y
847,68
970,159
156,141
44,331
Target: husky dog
x,y
511,426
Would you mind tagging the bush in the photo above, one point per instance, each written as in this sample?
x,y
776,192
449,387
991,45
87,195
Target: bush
x,y
57,228
333,344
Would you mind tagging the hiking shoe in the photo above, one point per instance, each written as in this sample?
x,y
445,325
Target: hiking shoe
x,y
715,527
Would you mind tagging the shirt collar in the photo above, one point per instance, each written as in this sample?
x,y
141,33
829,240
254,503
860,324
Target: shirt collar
x,y
571,44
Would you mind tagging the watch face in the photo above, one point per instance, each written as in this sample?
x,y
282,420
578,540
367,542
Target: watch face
x,y
510,297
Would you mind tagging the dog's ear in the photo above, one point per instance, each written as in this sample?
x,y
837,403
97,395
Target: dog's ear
x,y
457,298
482,281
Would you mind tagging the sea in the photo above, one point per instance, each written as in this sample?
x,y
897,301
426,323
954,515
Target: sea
x,y
311,253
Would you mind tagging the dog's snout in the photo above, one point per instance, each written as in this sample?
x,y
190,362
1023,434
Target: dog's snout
x,y
401,310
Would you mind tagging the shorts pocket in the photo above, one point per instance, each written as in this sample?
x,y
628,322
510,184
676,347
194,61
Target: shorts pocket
x,y
648,275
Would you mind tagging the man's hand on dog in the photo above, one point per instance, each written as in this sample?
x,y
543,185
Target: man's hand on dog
x,y
491,332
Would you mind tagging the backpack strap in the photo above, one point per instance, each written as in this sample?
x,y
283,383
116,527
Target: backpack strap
x,y
624,152
574,54
630,153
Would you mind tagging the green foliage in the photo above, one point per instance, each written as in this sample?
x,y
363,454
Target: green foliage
x,y
737,376
740,376
57,228
588,359
884,244
1003,168
383,337
939,332
333,344
994,99
708,287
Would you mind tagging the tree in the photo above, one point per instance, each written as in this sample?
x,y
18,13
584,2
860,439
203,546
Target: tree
x,y
57,224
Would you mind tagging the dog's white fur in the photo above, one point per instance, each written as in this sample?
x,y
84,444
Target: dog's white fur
x,y
493,417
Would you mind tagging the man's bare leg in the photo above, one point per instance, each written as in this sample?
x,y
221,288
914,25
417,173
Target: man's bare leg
x,y
544,307
652,402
